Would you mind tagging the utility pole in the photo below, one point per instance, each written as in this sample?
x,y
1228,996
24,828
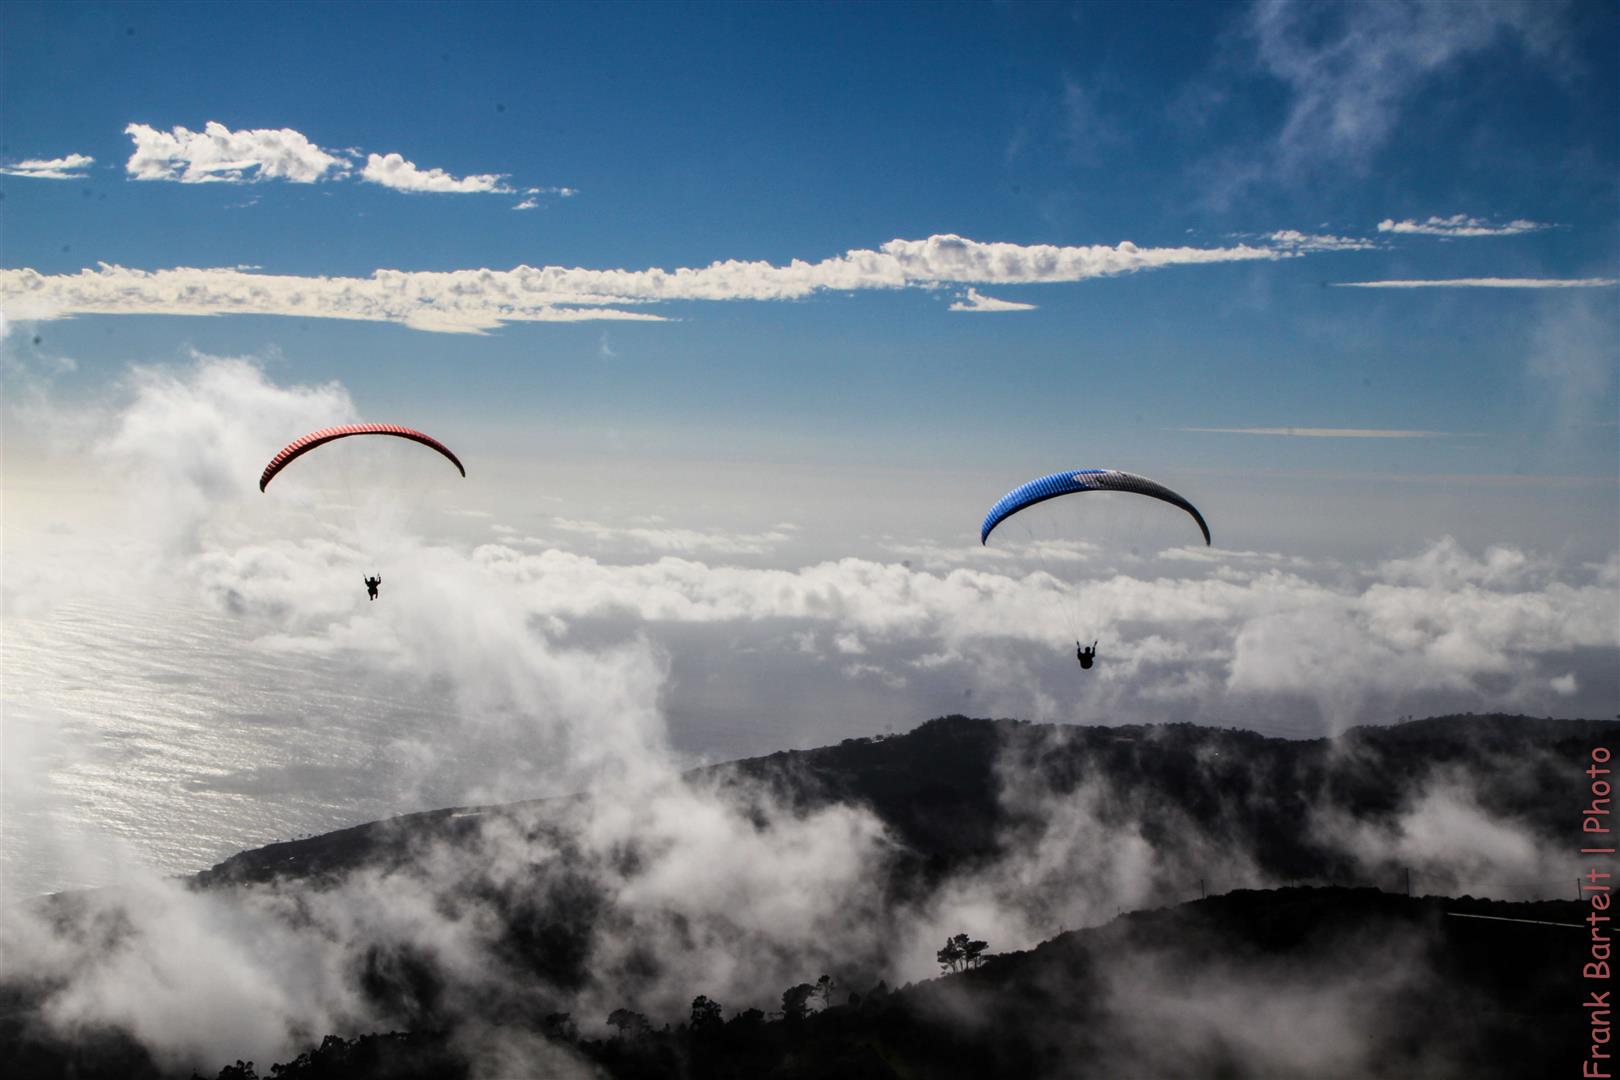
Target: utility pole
x,y
1408,881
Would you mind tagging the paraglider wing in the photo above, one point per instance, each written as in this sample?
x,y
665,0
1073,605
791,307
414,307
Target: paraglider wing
x,y
298,447
1079,480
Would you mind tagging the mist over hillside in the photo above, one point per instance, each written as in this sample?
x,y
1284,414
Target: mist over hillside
x,y
520,929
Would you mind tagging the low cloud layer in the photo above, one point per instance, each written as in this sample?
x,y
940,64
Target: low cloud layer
x,y
1209,633
660,537
563,661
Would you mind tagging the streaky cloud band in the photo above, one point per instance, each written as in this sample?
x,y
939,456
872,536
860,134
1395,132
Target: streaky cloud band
x,y
1483,283
473,301
1333,433
70,167
1459,226
974,300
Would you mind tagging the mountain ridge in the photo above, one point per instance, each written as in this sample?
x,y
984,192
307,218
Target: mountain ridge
x,y
818,775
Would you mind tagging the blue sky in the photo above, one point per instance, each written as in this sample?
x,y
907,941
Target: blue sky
x,y
691,135
742,315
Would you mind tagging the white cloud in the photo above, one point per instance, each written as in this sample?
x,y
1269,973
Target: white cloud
x,y
1459,225
217,154
1438,622
1231,555
393,171
849,644
470,301
208,424
949,259
1327,433
1442,621
1484,283
973,300
1352,69
684,541
1446,564
892,679
1294,240
261,973
63,168
531,196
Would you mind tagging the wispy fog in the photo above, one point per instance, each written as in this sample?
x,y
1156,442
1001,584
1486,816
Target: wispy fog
x,y
151,641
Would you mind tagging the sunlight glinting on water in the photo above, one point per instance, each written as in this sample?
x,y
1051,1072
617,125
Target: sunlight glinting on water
x,y
165,737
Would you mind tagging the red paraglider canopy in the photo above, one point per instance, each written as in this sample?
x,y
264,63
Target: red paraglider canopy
x,y
305,444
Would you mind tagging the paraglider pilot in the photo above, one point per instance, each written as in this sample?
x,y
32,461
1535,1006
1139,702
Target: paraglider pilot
x,y
373,582
1085,655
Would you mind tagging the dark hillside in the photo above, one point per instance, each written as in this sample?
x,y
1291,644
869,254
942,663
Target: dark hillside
x,y
1206,989
938,789
1340,981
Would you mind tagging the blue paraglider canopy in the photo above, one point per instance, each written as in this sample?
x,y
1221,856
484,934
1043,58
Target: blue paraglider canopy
x,y
1081,480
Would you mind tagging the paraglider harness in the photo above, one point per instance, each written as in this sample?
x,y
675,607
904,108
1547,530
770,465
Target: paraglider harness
x,y
371,585
1084,655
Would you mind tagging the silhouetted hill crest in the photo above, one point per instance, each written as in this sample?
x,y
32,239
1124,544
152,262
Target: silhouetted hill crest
x,y
937,789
